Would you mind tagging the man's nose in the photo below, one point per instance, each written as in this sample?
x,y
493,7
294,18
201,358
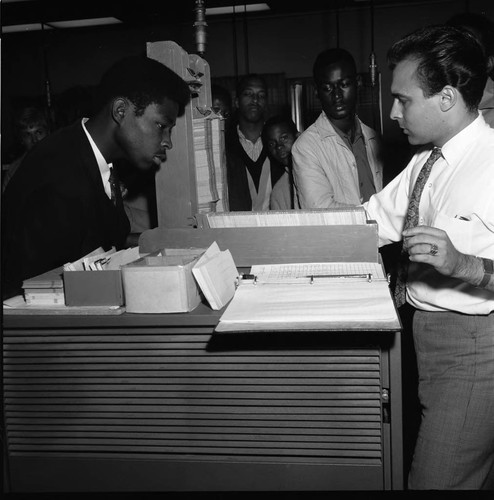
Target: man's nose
x,y
338,92
166,140
395,112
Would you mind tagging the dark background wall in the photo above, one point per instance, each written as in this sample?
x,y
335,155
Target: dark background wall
x,y
279,44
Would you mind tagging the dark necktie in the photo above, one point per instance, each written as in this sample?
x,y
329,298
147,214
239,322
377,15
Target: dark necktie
x,y
411,220
116,193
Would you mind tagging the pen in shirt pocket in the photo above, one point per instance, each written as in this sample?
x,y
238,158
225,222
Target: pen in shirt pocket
x,y
461,217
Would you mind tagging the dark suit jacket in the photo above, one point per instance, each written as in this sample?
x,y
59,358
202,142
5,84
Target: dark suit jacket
x,y
55,209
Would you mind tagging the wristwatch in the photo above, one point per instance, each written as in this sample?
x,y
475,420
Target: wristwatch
x,y
488,271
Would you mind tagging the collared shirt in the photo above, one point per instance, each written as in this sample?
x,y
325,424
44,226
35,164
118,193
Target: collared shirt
x,y
357,147
253,149
459,199
104,167
260,197
325,169
282,196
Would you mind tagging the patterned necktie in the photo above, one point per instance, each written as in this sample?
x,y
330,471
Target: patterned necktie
x,y
116,193
411,220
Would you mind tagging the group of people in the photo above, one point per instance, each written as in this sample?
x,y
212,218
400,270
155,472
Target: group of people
x,y
334,163
60,205
258,152
337,161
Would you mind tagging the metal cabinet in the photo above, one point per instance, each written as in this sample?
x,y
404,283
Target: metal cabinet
x,y
161,403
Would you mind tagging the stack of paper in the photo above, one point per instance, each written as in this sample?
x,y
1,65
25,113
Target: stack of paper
x,y
101,260
210,164
276,218
45,289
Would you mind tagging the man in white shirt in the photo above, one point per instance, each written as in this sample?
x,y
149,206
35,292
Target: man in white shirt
x,y
336,161
438,79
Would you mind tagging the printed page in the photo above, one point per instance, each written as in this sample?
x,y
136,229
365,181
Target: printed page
x,y
317,271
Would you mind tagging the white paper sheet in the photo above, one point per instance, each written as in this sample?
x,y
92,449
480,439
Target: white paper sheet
x,y
216,275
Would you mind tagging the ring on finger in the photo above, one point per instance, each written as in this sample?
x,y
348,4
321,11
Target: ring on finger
x,y
434,249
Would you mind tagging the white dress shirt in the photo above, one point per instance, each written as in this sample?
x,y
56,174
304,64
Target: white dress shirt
x,y
459,199
104,168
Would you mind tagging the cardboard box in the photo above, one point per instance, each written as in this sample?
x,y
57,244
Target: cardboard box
x,y
93,288
101,286
161,284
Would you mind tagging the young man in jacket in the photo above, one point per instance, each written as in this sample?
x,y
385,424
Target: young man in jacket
x,y
60,206
336,161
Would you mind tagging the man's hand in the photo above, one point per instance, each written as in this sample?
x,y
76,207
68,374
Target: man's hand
x,y
433,246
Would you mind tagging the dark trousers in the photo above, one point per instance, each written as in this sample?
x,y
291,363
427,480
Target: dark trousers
x,y
455,359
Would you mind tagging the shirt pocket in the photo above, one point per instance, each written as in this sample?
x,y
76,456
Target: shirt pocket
x,y
459,231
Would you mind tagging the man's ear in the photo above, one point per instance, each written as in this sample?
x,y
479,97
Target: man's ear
x,y
358,79
448,97
490,65
316,91
120,107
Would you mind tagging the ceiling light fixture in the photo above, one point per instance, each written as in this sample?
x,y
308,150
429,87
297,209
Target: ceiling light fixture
x,y
78,23
82,23
17,28
253,7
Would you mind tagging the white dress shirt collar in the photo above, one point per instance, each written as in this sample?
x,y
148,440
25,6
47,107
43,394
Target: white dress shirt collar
x,y
455,147
104,167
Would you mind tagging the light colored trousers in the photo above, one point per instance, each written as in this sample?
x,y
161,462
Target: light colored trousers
x,y
455,358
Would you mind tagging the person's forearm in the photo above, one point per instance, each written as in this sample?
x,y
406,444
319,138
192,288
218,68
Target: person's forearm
x,y
472,270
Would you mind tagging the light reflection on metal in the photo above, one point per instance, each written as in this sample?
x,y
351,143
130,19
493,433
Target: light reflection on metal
x,y
373,70
200,27
296,105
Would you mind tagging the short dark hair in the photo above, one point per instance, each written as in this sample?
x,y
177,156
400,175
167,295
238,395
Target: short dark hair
x,y
243,83
143,81
279,120
480,26
331,56
446,56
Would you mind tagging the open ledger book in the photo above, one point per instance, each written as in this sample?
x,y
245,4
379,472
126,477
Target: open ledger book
x,y
315,296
